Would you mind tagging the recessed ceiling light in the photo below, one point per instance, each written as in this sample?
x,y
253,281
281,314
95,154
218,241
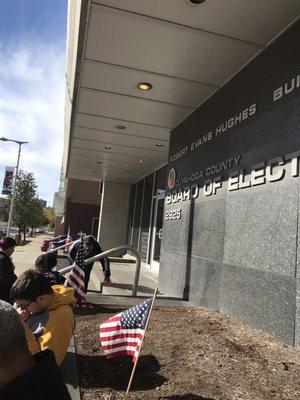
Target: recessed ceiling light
x,y
108,147
120,126
196,2
99,162
144,86
159,145
141,161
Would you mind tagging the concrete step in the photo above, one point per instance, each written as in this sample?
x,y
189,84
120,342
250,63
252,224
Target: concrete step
x,y
125,286
122,260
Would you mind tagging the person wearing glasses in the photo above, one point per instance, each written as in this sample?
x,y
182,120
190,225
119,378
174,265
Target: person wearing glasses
x,y
23,375
47,313
7,274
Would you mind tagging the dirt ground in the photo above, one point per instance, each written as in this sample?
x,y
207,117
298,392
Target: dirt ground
x,y
188,353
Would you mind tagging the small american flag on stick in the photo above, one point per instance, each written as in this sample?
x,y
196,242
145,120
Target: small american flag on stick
x,y
123,333
76,278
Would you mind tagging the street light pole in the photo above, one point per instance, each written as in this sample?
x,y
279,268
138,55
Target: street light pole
x,y
19,143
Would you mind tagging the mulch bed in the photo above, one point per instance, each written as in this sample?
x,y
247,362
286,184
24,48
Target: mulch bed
x,y
188,353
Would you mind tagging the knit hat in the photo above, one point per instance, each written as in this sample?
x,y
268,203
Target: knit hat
x,y
7,242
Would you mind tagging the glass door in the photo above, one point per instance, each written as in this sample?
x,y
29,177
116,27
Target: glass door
x,y
157,233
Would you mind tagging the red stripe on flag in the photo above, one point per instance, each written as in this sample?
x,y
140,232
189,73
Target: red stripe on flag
x,y
111,329
121,344
121,336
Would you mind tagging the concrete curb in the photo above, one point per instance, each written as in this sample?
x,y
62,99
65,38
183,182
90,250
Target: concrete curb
x,y
69,372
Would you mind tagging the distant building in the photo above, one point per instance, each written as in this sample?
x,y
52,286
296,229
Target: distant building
x,y
43,203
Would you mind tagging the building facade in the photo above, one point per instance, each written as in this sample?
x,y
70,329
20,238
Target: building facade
x,y
201,175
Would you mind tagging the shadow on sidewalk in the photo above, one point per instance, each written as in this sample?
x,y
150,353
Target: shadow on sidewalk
x,y
24,242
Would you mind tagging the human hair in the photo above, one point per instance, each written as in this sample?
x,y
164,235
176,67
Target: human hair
x,y
30,285
89,240
12,334
7,242
45,262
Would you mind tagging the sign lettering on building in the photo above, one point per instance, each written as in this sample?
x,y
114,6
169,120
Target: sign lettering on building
x,y
272,170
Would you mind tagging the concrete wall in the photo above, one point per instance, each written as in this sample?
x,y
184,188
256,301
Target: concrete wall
x,y
113,215
235,245
73,29
82,206
85,192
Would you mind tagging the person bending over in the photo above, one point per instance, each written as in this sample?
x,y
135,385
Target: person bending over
x,y
45,264
47,312
23,376
92,248
7,275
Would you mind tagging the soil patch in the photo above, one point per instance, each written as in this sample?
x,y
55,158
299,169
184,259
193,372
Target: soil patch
x,y
188,353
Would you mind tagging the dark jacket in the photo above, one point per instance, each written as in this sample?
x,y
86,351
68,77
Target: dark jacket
x,y
7,276
95,250
43,381
55,278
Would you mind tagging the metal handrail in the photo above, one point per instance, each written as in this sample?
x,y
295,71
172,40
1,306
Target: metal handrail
x,y
114,250
62,246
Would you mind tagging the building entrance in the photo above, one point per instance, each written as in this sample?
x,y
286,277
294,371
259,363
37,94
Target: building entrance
x,y
157,232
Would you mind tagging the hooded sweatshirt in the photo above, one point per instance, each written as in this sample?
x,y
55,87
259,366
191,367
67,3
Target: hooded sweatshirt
x,y
53,328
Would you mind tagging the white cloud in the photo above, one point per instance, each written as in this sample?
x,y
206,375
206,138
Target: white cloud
x,y
32,84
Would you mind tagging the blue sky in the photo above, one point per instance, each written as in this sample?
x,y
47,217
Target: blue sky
x,y
32,83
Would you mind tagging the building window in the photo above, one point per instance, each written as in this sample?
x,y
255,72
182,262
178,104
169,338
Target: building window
x,y
146,215
160,181
137,214
131,213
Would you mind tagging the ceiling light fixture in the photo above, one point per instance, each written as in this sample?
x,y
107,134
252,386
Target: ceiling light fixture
x,y
144,86
141,161
99,162
108,147
196,2
120,126
159,145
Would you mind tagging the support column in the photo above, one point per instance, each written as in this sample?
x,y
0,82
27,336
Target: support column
x,y
113,216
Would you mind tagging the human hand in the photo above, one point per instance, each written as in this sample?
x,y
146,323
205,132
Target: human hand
x,y
23,314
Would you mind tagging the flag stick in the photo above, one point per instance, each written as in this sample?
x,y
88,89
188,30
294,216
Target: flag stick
x,y
137,359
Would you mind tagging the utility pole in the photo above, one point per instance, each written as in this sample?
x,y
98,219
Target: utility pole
x,y
19,143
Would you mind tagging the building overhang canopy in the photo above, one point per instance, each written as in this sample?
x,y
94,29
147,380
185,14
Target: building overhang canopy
x,y
114,130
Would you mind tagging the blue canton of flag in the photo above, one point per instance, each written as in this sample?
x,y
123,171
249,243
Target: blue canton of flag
x,y
136,317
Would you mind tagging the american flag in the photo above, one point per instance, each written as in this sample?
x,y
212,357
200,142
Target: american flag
x,y
76,278
123,333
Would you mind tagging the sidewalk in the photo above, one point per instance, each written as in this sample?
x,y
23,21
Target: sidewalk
x,y
25,255
122,273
